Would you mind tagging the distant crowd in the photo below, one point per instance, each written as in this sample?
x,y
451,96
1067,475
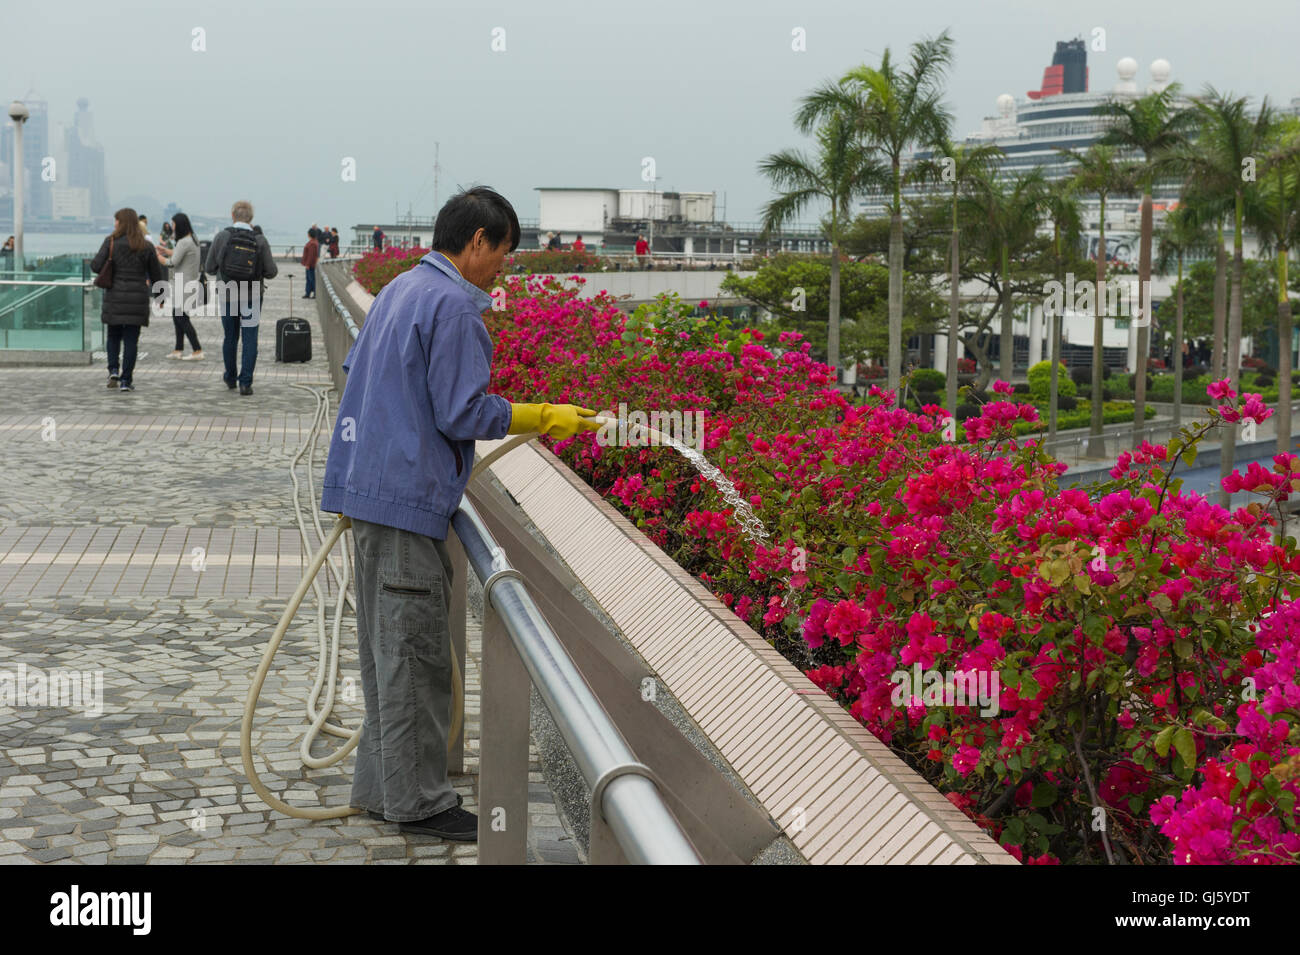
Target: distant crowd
x,y
134,271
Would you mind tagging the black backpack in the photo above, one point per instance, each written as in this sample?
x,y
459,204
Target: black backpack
x,y
241,260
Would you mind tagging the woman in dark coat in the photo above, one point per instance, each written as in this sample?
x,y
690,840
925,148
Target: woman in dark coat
x,y
126,303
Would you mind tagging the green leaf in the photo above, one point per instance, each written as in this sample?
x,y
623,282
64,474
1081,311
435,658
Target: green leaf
x,y
1271,786
1182,648
1189,455
1286,801
1044,795
1163,739
1185,745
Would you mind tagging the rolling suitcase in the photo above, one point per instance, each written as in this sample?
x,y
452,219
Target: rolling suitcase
x,y
292,340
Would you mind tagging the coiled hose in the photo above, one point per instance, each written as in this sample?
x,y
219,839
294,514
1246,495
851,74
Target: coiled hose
x,y
327,670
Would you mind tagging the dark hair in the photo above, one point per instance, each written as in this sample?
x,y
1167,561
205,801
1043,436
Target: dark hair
x,y
311,233
479,207
183,227
127,226
257,229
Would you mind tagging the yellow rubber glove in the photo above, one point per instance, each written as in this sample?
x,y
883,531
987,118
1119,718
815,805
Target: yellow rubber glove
x,y
556,421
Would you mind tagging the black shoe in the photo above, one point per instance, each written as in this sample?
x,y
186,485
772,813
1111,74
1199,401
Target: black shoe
x,y
245,390
230,384
125,386
454,824
113,380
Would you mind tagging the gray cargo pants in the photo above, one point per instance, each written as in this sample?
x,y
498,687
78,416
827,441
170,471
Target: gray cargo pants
x,y
403,581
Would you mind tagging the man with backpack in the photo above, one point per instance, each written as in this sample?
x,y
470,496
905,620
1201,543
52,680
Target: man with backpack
x,y
241,259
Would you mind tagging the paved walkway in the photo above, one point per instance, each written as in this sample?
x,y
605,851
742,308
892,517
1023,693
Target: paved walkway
x,y
148,539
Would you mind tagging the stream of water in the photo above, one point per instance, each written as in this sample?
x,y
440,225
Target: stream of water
x,y
749,522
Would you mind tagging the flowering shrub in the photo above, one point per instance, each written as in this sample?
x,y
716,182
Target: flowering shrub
x,y
376,269
1145,640
559,262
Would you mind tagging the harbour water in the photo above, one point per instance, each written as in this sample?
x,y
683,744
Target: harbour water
x,y
38,245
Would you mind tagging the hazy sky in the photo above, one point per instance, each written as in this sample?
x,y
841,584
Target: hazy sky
x,y
287,89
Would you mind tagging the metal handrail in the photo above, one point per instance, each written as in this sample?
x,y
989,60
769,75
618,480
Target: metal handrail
x,y
627,797
80,283
629,800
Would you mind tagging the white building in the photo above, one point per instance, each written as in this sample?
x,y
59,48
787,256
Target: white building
x,y
574,211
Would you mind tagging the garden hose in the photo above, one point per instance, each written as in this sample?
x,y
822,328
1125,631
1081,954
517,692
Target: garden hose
x,y
327,672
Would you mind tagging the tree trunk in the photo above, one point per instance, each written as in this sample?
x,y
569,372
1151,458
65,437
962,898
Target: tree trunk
x,y
1220,308
1283,357
1006,339
1096,447
1232,372
1178,348
1054,390
833,327
895,301
1054,348
1144,329
954,323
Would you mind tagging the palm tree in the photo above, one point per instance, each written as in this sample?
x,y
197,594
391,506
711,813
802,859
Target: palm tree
x,y
1183,232
1275,216
895,110
1221,162
836,175
1154,126
1100,173
1008,211
1062,208
957,165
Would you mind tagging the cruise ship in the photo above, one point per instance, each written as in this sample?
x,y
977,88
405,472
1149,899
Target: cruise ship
x,y
1062,114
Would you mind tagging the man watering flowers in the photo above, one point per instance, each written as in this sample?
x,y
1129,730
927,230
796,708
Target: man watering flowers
x,y
415,402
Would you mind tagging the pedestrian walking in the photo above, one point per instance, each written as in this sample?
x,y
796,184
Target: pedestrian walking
x,y
377,239
553,242
241,259
310,255
578,245
334,242
132,271
7,255
184,262
144,227
416,391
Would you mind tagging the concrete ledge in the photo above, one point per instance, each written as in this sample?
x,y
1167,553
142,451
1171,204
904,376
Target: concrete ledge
x,y
840,795
33,356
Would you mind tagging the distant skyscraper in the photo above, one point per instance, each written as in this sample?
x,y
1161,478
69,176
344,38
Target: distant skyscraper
x,y
86,160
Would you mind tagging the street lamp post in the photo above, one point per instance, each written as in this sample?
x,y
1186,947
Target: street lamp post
x,y
19,114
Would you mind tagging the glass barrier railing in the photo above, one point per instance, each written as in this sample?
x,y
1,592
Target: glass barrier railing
x,y
45,307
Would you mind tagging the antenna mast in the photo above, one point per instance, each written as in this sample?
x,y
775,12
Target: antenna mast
x,y
436,169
